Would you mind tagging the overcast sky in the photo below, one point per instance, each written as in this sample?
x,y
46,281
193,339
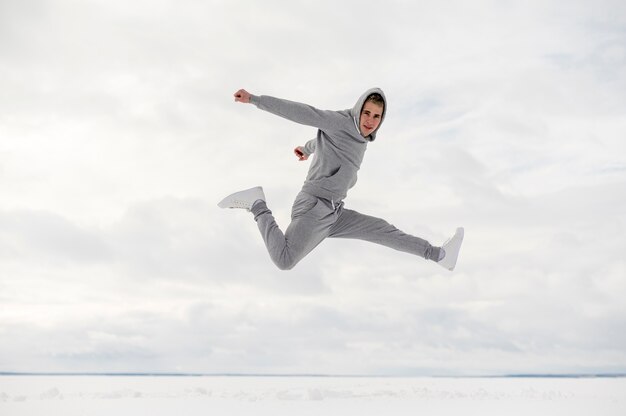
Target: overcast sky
x,y
119,135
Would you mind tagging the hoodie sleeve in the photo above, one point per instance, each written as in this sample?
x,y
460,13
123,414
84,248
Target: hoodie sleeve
x,y
299,113
309,147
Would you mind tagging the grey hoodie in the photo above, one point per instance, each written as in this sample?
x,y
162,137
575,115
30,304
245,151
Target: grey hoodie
x,y
338,146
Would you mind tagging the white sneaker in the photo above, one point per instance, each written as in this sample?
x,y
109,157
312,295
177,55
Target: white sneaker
x,y
243,199
451,249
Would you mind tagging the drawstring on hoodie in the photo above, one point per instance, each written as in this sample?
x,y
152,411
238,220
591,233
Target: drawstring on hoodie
x,y
336,205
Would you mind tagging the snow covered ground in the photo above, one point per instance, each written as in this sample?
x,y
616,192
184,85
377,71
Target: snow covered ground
x,y
164,395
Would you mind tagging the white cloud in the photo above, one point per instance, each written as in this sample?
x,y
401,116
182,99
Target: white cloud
x,y
118,134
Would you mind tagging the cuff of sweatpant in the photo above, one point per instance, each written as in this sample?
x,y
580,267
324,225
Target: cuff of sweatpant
x,y
259,208
433,253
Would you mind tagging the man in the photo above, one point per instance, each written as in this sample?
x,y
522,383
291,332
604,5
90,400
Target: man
x,y
318,211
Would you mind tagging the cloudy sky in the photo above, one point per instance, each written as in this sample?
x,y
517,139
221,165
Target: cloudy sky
x,y
119,134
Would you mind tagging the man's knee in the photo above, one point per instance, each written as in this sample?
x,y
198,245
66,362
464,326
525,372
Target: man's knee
x,y
286,260
285,263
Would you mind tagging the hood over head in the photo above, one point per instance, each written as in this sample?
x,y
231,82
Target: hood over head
x,y
356,110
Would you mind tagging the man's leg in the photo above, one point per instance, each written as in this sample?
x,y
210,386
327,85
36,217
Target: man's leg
x,y
311,220
352,224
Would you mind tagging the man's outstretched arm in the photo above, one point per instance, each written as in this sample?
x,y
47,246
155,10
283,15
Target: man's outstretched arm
x,y
297,112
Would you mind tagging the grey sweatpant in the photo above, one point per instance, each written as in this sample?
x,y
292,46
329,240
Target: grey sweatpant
x,y
314,219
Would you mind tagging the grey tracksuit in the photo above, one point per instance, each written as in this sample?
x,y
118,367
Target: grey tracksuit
x,y
318,210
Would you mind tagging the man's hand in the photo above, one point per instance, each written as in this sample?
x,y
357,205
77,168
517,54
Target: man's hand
x,y
242,96
299,151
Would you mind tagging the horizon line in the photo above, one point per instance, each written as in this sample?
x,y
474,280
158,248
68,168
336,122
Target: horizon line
x,y
295,375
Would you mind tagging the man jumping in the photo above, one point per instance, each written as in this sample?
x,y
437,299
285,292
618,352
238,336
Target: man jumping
x,y
318,211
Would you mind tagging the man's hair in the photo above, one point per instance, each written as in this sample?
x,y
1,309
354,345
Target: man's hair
x,y
375,98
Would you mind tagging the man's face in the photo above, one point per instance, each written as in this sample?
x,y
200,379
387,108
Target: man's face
x,y
371,115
